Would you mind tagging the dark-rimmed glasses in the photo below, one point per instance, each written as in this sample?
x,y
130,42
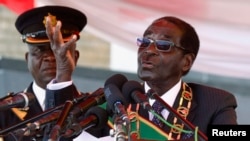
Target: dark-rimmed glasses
x,y
160,45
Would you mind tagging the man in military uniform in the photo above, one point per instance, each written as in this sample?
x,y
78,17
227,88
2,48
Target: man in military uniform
x,y
51,33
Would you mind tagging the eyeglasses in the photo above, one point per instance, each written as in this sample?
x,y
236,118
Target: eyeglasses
x,y
160,45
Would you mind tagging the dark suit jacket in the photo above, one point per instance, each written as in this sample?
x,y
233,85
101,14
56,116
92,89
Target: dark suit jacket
x,y
209,106
53,98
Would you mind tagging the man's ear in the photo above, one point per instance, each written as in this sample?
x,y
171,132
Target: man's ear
x,y
188,61
77,55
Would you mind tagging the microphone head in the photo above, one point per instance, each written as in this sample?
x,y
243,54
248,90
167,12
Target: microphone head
x,y
117,79
131,87
18,100
101,115
113,95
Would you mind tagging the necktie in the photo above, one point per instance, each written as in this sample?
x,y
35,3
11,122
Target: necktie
x,y
157,107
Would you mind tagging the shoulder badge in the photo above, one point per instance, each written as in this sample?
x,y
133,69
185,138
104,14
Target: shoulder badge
x,y
20,112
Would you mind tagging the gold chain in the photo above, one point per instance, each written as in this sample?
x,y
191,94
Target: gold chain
x,y
183,110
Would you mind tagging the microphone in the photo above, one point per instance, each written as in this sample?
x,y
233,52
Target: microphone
x,y
83,104
134,93
93,99
96,98
18,100
95,118
98,116
32,128
116,101
117,79
55,132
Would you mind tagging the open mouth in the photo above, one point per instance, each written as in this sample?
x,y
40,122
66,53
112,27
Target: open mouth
x,y
147,64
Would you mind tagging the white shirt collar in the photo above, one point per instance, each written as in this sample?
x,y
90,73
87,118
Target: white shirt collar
x,y
40,94
169,97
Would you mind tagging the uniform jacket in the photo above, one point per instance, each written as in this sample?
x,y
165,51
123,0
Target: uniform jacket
x,y
53,98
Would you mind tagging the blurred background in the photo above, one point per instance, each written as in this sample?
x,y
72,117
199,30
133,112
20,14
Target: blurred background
x,y
108,43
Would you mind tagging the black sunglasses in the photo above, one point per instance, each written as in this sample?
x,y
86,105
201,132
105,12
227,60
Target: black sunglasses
x,y
160,45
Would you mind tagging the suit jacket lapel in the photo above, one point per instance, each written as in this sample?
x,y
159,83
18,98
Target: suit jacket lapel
x,y
192,114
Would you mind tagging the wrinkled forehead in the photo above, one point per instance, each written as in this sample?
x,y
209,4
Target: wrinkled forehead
x,y
164,28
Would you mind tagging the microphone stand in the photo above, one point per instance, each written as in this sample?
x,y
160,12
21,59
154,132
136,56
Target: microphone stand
x,y
4,131
119,133
47,112
186,122
54,134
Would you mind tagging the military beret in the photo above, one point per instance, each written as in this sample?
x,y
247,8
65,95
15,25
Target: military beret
x,y
31,23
